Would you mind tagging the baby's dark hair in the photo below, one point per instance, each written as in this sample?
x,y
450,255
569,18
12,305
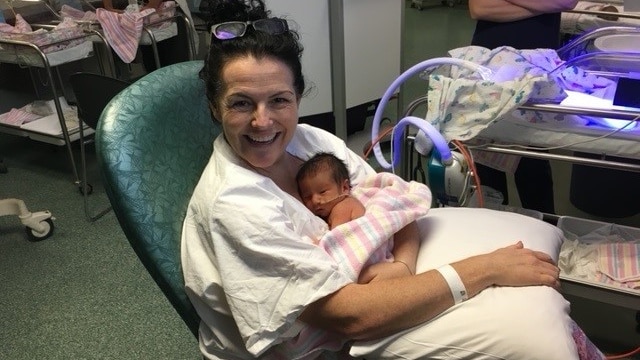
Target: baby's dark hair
x,y
284,47
324,161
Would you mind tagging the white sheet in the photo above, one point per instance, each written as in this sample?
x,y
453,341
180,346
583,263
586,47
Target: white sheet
x,y
569,133
50,125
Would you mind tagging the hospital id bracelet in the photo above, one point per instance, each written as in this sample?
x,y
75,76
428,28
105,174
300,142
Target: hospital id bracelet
x,y
456,286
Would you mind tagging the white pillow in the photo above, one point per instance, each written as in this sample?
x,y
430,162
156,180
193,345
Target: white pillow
x,y
500,322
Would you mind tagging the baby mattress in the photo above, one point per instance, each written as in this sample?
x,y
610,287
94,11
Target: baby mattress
x,y
44,125
591,134
28,56
570,132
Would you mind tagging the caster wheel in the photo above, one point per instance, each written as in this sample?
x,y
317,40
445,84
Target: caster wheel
x,y
34,235
89,189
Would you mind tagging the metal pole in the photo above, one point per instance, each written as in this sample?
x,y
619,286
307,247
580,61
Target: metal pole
x,y
566,158
338,88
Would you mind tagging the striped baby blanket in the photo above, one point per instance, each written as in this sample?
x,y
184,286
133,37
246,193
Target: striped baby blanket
x,y
619,264
391,203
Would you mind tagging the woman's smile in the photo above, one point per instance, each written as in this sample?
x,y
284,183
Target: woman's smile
x,y
262,139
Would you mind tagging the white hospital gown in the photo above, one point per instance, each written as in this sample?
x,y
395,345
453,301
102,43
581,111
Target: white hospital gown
x,y
249,265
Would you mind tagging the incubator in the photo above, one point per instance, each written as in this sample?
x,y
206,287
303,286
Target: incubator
x,y
582,98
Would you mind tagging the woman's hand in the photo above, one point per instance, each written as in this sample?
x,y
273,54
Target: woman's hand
x,y
516,266
383,270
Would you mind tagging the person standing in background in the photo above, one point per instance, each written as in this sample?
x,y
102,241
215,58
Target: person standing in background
x,y
521,24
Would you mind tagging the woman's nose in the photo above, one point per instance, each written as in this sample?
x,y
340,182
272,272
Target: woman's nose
x,y
261,116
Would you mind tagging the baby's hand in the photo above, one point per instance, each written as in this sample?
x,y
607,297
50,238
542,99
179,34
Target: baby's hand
x,y
383,270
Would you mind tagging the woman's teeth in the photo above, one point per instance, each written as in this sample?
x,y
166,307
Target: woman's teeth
x,y
262,139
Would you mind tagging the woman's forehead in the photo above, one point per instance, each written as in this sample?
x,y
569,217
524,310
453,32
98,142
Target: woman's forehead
x,y
249,73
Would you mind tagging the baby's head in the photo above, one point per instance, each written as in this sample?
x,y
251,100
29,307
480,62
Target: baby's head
x,y
321,180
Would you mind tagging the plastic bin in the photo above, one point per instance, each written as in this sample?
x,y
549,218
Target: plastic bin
x,y
592,289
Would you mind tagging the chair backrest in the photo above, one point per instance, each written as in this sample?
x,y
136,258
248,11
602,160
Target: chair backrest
x,y
93,92
152,142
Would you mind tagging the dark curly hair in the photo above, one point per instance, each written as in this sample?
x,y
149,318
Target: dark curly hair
x,y
324,162
284,47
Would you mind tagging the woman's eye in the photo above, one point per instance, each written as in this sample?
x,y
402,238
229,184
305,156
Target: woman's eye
x,y
240,105
280,101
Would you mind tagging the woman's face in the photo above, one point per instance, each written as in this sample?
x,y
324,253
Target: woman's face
x,y
258,109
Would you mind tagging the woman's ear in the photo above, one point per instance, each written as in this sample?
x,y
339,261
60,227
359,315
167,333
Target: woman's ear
x,y
214,111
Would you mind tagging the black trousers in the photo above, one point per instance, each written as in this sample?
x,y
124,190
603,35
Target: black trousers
x,y
533,181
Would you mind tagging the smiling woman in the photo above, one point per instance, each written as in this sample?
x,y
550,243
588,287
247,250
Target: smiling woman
x,y
260,108
260,284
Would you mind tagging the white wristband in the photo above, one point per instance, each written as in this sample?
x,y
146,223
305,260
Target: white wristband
x,y
456,286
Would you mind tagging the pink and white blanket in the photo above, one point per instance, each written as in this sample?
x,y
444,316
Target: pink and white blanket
x,y
391,203
123,31
64,35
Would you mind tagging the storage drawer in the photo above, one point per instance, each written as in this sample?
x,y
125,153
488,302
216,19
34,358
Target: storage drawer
x,y
619,295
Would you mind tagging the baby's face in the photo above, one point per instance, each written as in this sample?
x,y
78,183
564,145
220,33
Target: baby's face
x,y
317,193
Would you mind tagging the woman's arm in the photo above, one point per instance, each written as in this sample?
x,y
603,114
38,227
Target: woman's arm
x,y
512,10
498,11
381,308
546,6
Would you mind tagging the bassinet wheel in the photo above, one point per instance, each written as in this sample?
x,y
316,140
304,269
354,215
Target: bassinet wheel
x,y
34,235
89,189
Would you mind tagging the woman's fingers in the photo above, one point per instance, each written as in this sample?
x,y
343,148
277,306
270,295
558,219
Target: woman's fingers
x,y
523,267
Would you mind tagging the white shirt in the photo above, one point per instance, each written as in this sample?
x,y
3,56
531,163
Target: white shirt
x,y
248,264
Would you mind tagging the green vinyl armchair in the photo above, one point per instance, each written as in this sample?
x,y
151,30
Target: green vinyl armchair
x,y
153,141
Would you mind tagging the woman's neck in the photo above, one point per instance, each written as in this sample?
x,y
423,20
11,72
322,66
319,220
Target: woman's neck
x,y
283,174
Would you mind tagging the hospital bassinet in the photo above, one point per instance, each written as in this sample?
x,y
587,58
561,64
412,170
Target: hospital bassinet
x,y
43,49
572,125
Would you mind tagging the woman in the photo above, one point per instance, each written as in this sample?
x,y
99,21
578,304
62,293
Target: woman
x,y
259,287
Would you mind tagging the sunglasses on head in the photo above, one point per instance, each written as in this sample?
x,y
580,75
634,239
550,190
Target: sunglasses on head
x,y
235,29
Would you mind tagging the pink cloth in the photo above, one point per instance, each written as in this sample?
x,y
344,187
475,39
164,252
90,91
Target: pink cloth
x,y
22,26
64,35
123,31
586,349
17,117
391,204
70,12
619,264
